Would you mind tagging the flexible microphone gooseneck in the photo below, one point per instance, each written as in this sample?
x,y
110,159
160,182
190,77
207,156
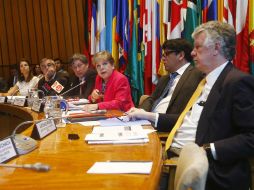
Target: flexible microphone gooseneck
x,y
82,82
36,166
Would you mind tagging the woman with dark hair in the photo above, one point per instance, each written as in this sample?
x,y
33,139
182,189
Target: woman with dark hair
x,y
25,82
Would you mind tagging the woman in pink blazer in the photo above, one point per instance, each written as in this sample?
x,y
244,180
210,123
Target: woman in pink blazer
x,y
112,89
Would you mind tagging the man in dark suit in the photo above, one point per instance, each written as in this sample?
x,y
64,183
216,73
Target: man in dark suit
x,y
222,117
52,83
171,95
80,67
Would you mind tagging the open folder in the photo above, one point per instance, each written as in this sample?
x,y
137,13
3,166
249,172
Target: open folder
x,y
79,117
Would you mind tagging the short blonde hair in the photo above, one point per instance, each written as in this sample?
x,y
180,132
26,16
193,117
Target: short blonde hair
x,y
103,55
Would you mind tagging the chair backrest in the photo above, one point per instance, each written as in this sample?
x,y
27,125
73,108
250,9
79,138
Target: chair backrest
x,y
192,168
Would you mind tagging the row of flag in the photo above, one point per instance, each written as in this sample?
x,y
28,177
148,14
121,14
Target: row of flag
x,y
134,31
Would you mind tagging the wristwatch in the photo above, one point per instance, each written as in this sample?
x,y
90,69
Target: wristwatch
x,y
207,148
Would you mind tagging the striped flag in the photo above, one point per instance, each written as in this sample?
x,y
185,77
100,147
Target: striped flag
x,y
93,39
242,35
251,34
209,10
122,33
101,27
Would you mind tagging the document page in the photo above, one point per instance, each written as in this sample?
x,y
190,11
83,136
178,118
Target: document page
x,y
121,167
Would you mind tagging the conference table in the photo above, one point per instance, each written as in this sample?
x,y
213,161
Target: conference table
x,y
71,159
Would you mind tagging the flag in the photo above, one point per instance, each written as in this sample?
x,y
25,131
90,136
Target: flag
x,y
101,27
177,12
93,39
163,27
134,67
147,41
87,6
242,36
192,19
109,23
122,33
209,10
155,41
115,53
251,34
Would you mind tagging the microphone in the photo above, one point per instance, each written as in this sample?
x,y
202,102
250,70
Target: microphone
x,y
82,82
37,166
25,144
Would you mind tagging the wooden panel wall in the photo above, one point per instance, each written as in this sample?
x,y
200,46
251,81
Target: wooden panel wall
x,y
34,29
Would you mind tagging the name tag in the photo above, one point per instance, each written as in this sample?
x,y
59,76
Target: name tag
x,y
43,128
19,102
2,99
7,150
37,106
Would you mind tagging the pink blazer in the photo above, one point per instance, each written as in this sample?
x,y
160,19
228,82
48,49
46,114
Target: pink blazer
x,y
117,94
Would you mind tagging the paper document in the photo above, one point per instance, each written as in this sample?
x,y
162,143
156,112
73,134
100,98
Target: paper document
x,y
124,167
117,135
117,122
130,141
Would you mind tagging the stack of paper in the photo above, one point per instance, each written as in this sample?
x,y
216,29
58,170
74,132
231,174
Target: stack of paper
x,y
117,135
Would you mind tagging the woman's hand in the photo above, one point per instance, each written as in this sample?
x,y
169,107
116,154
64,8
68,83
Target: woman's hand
x,y
96,94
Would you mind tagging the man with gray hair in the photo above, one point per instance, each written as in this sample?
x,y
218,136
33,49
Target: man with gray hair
x,y
221,116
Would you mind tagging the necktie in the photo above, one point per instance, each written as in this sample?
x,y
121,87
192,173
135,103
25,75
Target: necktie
x,y
192,100
166,89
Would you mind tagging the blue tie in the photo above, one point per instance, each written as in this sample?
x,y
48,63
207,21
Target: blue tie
x,y
166,89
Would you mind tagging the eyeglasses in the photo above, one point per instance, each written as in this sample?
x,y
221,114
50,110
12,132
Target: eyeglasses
x,y
99,66
47,65
166,53
77,66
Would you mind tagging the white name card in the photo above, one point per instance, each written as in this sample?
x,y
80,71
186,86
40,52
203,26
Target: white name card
x,y
44,128
2,99
19,102
7,150
37,106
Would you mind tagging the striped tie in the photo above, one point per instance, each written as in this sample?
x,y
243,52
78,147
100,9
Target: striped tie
x,y
192,100
166,90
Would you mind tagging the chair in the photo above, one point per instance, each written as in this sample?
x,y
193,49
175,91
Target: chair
x,y
142,99
191,168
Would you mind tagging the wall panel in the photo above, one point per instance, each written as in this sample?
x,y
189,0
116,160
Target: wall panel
x,y
34,29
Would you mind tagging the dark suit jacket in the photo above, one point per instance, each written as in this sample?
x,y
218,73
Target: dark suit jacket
x,y
46,86
227,120
185,87
87,87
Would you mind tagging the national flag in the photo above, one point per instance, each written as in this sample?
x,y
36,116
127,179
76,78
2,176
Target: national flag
x,y
209,10
177,13
93,39
192,19
147,40
163,32
101,27
242,36
134,69
87,6
122,33
251,34
115,53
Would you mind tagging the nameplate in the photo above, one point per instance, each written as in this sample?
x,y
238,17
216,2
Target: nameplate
x,y
37,106
19,102
2,99
43,128
7,150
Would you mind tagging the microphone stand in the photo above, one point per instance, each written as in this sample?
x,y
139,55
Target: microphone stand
x,y
36,166
82,82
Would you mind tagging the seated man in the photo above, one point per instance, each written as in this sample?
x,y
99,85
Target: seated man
x,y
52,83
173,90
80,67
